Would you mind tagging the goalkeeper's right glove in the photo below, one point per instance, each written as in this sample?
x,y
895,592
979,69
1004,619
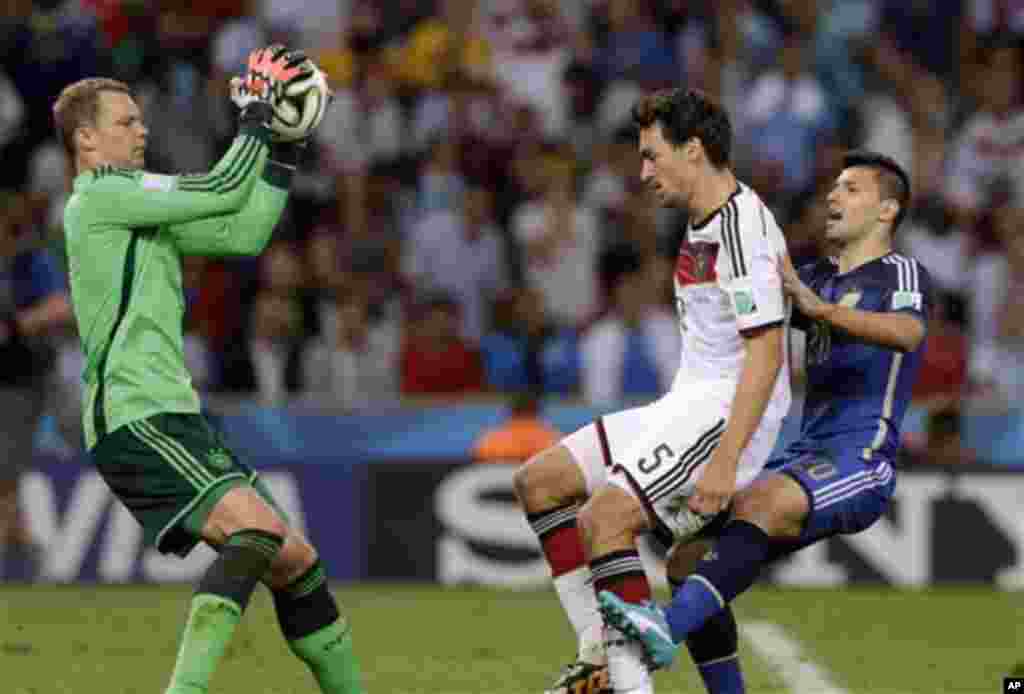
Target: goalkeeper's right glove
x,y
268,72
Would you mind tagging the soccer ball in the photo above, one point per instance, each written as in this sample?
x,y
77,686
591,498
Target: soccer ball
x,y
301,107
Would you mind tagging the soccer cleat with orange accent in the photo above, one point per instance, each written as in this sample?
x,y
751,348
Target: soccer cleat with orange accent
x,y
582,677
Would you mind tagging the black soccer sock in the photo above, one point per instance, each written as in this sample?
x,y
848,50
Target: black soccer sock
x,y
714,649
317,634
714,640
305,606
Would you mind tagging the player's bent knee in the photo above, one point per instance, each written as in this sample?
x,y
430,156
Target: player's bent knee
x,y
548,480
776,504
296,557
612,513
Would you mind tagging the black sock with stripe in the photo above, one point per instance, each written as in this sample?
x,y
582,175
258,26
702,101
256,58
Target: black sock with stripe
x,y
317,633
305,606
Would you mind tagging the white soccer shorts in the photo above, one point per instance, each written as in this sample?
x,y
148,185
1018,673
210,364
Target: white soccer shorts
x,y
657,452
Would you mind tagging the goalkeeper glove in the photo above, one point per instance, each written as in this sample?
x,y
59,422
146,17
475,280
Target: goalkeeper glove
x,y
268,72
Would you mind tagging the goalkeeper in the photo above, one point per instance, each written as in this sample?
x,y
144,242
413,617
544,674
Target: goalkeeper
x,y
126,233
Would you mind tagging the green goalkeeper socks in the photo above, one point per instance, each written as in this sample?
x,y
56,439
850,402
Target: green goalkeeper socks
x,y
211,624
328,653
217,607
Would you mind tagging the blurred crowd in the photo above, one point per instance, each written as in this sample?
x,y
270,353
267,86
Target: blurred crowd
x,y
469,218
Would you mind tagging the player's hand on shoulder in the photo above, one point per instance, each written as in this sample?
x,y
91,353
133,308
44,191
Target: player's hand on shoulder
x,y
805,298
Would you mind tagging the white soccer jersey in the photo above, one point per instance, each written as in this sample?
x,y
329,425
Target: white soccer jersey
x,y
987,150
727,280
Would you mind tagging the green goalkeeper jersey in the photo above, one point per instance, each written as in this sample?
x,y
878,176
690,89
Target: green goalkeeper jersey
x,y
126,232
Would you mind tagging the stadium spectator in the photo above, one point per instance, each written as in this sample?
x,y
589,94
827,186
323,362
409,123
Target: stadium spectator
x,y
355,37
460,252
521,435
364,123
635,48
560,244
186,122
44,46
198,360
441,182
786,122
527,350
450,41
984,23
983,153
12,112
984,188
943,373
633,351
34,313
941,442
355,366
531,46
47,187
276,324
604,187
807,214
435,360
273,347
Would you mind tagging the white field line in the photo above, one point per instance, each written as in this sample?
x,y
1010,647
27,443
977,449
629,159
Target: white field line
x,y
780,650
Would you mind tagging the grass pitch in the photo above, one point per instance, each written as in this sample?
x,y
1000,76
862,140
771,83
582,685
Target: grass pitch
x,y
426,639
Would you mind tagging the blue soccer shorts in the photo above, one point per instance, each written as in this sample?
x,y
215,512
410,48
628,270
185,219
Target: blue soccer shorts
x,y
847,493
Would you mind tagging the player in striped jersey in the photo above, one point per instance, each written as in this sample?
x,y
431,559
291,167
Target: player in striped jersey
x,y
671,467
864,312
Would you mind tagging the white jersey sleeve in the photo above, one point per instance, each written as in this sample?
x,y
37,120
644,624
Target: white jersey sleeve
x,y
751,243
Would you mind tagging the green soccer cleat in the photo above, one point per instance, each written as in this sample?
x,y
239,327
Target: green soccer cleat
x,y
582,677
644,624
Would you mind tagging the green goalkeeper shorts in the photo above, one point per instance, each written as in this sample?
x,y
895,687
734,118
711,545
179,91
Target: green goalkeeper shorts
x,y
170,470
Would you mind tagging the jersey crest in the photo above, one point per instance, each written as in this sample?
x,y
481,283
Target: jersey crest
x,y
219,459
696,263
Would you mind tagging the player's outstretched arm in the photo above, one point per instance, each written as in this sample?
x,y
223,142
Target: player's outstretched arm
x,y
901,328
143,199
248,231
139,199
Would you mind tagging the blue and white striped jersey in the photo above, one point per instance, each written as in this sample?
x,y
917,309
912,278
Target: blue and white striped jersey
x,y
857,393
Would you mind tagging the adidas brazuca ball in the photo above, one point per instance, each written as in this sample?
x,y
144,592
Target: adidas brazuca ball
x,y
301,107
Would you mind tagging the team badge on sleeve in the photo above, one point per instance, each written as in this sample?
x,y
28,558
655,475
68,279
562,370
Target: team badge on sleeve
x,y
744,302
902,300
157,182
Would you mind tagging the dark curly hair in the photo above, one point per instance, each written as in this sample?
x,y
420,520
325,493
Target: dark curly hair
x,y
686,113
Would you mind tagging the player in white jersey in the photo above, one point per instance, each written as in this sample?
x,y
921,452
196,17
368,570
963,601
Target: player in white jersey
x,y
671,467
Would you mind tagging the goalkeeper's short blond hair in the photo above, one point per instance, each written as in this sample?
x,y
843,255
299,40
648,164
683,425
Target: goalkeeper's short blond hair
x,y
78,105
